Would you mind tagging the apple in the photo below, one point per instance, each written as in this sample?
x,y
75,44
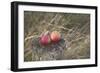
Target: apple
x,y
45,38
55,36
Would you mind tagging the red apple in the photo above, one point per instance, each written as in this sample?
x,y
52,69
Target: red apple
x,y
45,39
55,36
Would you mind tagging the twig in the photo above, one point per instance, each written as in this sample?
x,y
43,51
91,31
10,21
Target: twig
x,y
76,39
30,37
61,27
54,18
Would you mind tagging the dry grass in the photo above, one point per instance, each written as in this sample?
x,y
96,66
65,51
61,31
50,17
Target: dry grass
x,y
74,29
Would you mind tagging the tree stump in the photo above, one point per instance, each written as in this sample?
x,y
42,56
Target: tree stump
x,y
53,51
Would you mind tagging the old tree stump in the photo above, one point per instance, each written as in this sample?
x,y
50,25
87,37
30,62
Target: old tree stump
x,y
53,51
